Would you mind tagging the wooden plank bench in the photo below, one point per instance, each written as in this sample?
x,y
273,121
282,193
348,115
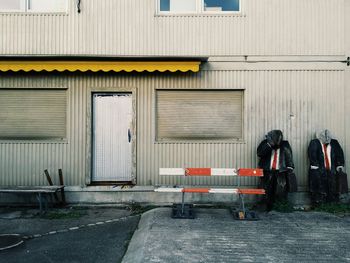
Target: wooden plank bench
x,y
186,210
41,192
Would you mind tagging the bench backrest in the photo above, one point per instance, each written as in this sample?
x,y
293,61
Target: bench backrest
x,y
211,172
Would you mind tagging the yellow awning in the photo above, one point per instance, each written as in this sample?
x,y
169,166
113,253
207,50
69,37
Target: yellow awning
x,y
95,66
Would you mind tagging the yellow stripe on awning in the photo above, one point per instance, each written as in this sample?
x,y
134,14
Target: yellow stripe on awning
x,y
95,66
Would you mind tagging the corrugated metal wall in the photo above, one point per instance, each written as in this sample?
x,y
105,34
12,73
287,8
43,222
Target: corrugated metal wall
x,y
131,27
347,76
23,162
296,101
347,110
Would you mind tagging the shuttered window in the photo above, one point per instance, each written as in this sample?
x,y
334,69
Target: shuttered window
x,y
33,114
199,114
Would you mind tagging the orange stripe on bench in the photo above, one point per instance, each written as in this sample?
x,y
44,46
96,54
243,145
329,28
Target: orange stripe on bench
x,y
195,190
251,191
250,172
198,171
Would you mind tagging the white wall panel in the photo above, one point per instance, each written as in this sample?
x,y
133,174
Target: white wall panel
x,y
132,28
346,122
347,82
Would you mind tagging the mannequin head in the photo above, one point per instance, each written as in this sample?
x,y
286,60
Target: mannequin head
x,y
324,136
275,137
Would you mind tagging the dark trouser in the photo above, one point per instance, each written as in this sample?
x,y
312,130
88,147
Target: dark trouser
x,y
275,185
329,193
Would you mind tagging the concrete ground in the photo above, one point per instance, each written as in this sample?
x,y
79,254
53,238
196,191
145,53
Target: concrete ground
x,y
215,237
68,235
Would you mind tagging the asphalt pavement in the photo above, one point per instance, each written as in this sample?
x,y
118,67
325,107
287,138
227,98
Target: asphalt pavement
x,y
68,235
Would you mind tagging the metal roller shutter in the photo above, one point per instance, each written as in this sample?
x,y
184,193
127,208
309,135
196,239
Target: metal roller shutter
x,y
33,113
199,114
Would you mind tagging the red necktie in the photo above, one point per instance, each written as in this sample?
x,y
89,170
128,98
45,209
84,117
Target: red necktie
x,y
328,167
274,162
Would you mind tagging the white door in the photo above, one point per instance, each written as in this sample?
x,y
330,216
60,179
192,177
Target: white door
x,y
112,137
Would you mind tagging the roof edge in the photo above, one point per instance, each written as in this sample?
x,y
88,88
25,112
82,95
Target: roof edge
x,y
99,58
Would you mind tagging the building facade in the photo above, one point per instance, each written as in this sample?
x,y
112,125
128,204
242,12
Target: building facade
x,y
112,90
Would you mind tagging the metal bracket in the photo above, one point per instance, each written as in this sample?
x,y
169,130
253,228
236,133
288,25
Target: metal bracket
x,y
348,61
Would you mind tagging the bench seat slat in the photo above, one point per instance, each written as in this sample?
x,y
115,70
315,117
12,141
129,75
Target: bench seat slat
x,y
172,171
211,190
30,189
211,172
168,190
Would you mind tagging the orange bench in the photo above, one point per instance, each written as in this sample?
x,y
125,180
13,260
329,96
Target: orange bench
x,y
186,210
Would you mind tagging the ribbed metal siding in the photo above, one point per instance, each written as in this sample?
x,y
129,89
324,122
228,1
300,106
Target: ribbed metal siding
x,y
347,123
131,27
23,162
298,102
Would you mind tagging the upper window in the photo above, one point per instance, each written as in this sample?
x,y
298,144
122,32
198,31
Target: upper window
x,y
50,6
198,6
221,5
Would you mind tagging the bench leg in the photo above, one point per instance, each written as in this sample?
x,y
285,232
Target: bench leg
x,y
242,213
183,203
43,203
39,197
242,206
182,211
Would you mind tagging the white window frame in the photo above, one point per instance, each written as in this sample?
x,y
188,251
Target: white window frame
x,y
23,9
199,10
26,9
183,12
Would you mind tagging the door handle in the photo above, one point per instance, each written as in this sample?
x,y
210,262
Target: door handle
x,y
129,135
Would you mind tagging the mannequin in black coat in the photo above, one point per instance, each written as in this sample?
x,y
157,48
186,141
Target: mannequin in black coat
x,y
276,159
326,163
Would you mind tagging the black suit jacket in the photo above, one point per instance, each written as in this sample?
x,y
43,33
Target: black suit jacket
x,y
319,182
316,155
264,152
